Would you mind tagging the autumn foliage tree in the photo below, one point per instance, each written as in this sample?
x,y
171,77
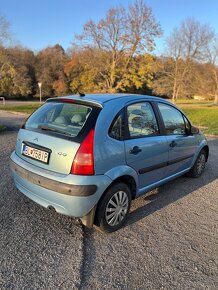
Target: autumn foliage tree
x,y
212,69
17,72
112,47
83,70
115,55
50,70
186,46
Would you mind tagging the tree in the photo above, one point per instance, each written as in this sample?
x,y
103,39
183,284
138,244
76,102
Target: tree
x,y
116,41
212,55
17,72
50,70
83,70
4,37
186,46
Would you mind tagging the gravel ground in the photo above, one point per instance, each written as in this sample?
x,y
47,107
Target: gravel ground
x,y
39,249
169,242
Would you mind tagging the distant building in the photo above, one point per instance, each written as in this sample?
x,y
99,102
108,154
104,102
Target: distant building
x,y
199,98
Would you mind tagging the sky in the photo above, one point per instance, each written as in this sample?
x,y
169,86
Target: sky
x,y
38,24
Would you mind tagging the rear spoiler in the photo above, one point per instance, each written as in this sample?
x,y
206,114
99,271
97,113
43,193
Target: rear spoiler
x,y
78,101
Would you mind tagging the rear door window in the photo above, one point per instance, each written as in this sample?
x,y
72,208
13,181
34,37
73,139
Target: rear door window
x,y
141,120
63,118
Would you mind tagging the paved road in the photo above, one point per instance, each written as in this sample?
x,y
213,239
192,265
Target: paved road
x,y
12,121
169,242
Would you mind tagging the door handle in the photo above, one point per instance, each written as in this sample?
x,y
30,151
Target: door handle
x,y
135,150
173,144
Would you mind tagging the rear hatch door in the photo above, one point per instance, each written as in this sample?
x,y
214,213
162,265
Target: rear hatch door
x,y
52,135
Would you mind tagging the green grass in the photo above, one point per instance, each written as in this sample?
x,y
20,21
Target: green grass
x,y
28,109
206,118
201,113
193,102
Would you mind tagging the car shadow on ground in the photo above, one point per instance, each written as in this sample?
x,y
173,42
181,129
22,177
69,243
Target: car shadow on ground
x,y
172,191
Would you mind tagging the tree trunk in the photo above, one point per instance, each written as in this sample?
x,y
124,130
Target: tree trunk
x,y
175,82
174,90
216,93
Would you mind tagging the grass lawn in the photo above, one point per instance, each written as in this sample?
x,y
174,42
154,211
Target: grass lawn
x,y
201,113
193,102
206,118
28,109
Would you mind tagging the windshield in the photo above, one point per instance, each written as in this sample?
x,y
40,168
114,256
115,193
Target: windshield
x,y
63,118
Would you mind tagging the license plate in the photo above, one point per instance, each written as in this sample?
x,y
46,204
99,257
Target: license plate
x,y
36,154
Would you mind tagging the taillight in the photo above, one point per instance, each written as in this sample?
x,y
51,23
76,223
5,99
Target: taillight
x,y
83,163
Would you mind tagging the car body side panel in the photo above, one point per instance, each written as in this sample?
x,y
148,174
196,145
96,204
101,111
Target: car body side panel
x,y
154,153
123,170
181,156
108,152
202,142
161,182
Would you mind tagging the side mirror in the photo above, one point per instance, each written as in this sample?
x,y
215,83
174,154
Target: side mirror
x,y
194,130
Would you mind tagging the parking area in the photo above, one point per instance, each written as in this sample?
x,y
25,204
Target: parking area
x,y
169,242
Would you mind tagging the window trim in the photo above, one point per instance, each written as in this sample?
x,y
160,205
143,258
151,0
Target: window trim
x,y
127,134
122,114
188,132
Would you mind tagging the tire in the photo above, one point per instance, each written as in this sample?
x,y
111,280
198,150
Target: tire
x,y
199,165
113,208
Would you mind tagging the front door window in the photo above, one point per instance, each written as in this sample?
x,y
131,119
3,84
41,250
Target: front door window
x,y
173,120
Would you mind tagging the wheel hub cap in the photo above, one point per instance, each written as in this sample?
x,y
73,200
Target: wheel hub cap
x,y
117,208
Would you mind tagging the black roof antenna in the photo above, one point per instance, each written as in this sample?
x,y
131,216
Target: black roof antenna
x,y
80,94
77,91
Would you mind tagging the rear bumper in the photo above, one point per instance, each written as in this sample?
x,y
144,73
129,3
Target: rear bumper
x,y
60,187
69,194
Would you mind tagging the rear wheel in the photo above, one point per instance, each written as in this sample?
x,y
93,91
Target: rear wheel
x,y
199,165
113,208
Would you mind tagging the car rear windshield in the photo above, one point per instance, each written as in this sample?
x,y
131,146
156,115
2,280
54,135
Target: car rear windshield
x,y
63,118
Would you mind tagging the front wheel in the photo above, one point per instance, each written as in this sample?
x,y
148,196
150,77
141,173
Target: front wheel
x,y
199,165
113,208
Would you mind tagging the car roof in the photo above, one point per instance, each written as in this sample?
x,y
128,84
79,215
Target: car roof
x,y
102,99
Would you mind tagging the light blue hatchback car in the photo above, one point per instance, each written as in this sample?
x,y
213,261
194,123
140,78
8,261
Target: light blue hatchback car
x,y
89,156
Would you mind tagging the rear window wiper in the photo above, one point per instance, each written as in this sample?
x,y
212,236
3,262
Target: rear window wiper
x,y
47,128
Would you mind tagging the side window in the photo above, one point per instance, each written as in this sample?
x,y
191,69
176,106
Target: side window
x,y
141,120
173,120
116,128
